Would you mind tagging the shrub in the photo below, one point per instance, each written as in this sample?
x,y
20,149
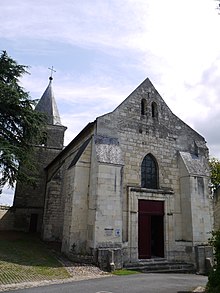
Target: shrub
x,y
213,285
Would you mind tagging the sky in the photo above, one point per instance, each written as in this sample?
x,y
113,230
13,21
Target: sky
x,y
103,49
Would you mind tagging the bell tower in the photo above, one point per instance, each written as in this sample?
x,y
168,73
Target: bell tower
x,y
54,136
29,199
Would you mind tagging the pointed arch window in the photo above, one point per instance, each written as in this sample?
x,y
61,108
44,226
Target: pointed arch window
x,y
154,110
149,172
143,107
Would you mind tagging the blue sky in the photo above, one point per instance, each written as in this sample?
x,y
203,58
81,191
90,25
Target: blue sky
x,y
103,49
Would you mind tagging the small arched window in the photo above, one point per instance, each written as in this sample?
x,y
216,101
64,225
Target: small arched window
x,y
154,110
149,172
143,107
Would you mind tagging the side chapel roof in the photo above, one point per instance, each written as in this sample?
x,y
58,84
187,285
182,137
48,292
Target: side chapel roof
x,y
47,105
194,164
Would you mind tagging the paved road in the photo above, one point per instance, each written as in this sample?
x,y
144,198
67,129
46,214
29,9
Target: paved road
x,y
140,283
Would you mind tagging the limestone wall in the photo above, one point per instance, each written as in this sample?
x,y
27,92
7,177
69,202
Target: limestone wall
x,y
30,197
102,180
6,218
59,194
53,210
76,224
202,212
108,222
163,135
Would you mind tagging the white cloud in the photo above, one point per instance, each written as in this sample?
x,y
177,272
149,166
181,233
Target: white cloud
x,y
102,50
96,23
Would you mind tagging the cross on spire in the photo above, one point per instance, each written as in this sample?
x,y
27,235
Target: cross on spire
x,y
51,73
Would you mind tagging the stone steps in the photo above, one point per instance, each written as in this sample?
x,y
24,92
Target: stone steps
x,y
161,266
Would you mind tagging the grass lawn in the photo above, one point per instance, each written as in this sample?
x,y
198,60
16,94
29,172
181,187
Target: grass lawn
x,y
24,258
124,272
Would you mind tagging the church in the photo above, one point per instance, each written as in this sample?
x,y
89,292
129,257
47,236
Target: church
x,y
132,185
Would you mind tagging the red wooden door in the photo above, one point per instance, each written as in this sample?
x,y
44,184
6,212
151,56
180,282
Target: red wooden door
x,y
157,236
150,229
144,236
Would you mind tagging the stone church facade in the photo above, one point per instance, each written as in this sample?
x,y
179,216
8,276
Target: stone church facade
x,y
132,185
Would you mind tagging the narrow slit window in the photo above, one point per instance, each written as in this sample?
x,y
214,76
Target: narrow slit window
x,y
154,110
143,107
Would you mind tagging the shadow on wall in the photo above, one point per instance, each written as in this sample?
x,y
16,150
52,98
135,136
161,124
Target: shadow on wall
x,y
21,219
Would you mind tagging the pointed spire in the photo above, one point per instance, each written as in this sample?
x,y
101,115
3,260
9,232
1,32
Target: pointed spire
x,y
47,104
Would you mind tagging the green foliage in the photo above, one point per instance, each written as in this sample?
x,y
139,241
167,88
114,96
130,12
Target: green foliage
x,y
214,165
213,285
20,125
124,272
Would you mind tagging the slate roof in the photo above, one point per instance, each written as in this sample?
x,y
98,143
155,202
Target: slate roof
x,y
194,164
47,105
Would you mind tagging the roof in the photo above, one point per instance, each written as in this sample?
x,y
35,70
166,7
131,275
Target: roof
x,y
194,164
48,106
68,148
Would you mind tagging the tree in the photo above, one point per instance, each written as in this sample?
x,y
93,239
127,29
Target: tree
x,y
213,285
214,165
20,125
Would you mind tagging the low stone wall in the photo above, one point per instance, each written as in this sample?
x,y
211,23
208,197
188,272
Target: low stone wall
x,y
110,259
106,258
6,218
204,259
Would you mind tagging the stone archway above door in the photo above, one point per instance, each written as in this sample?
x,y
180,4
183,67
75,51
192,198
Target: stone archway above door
x,y
136,195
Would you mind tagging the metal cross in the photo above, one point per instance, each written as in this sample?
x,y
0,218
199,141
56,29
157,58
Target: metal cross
x,y
52,70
